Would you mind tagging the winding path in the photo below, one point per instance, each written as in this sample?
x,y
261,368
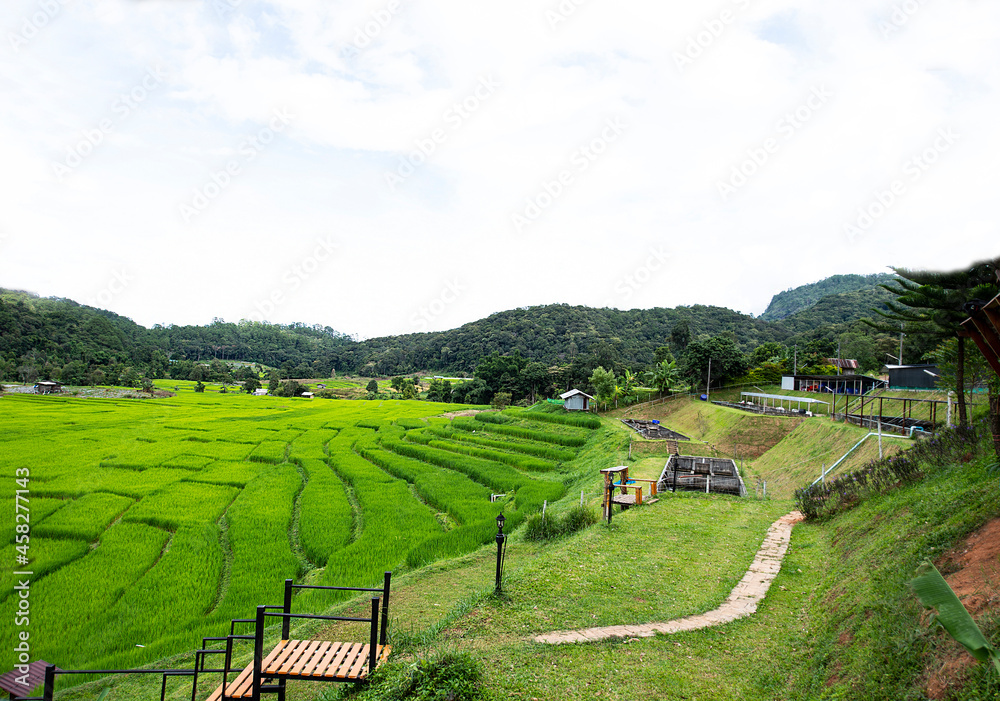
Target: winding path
x,y
742,600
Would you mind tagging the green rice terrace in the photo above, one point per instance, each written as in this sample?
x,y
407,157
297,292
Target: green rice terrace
x,y
155,522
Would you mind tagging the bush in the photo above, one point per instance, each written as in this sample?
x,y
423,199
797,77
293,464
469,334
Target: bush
x,y
452,676
542,528
577,518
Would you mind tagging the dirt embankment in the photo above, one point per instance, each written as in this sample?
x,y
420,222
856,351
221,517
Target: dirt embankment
x,y
972,568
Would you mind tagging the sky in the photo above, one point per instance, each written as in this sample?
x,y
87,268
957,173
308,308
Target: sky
x,y
392,166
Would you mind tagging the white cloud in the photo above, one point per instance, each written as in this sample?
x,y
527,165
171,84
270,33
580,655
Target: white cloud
x,y
362,106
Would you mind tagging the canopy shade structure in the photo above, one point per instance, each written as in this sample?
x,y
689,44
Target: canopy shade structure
x,y
778,400
784,397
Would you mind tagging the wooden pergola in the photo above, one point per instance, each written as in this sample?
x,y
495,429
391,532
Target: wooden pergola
x,y
983,327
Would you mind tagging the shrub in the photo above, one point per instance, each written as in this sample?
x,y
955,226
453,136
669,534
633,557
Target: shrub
x,y
577,518
451,676
540,527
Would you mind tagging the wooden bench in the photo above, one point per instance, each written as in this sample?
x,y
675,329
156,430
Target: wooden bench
x,y
315,660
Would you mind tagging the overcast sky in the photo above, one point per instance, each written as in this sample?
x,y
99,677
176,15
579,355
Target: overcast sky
x,y
390,166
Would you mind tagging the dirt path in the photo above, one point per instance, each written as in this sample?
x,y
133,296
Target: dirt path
x,y
742,601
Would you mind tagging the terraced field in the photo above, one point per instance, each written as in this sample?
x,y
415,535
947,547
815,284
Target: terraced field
x,y
154,522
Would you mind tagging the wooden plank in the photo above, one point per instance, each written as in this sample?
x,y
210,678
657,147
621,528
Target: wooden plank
x,y
306,650
331,670
308,658
291,656
327,660
287,648
349,660
236,687
320,653
360,663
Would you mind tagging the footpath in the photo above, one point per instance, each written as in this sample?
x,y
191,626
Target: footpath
x,y
742,600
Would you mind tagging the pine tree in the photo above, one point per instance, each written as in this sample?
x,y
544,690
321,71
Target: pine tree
x,y
934,303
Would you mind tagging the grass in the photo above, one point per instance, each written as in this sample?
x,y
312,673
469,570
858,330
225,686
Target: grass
x,y
728,431
800,457
841,580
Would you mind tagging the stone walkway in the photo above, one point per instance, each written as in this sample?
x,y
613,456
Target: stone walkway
x,y
742,601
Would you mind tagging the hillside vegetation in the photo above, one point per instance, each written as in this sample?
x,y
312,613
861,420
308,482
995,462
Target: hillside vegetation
x,y
798,299
61,338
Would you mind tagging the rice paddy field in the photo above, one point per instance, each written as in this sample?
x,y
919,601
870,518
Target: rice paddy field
x,y
151,523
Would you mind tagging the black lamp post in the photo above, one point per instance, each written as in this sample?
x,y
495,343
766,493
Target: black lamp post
x,y
501,539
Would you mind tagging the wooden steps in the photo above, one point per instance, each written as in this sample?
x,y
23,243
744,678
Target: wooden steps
x,y
317,660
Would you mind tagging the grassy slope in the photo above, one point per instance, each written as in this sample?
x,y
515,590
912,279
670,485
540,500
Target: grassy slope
x,y
838,622
727,430
799,458
870,637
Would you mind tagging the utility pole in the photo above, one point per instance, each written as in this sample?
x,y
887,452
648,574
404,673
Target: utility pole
x,y
708,385
795,365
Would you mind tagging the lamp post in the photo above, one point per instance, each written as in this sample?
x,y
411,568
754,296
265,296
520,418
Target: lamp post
x,y
501,539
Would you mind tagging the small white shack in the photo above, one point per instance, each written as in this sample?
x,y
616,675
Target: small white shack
x,y
575,400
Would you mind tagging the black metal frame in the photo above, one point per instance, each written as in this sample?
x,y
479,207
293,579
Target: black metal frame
x,y
49,685
378,636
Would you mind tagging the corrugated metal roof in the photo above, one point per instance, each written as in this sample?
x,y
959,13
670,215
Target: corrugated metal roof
x,y
573,393
843,363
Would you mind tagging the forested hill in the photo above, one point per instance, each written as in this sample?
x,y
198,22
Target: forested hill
x,y
62,339
798,299
558,333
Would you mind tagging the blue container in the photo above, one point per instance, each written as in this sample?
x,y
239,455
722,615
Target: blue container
x,y
656,421
704,397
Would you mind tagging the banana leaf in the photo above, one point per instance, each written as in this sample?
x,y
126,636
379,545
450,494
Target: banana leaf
x,y
935,593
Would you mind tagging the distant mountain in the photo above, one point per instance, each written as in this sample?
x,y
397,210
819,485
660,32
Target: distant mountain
x,y
61,338
785,304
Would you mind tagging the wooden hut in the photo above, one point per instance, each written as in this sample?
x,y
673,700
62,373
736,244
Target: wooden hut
x,y
575,400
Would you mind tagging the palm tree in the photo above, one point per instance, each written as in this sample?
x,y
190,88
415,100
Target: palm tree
x,y
664,376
